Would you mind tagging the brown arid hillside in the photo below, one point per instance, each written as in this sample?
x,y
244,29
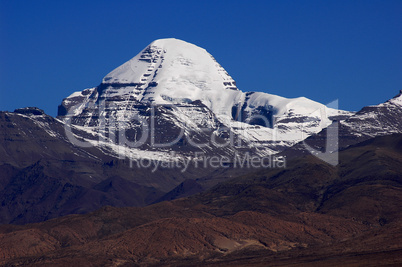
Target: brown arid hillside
x,y
309,214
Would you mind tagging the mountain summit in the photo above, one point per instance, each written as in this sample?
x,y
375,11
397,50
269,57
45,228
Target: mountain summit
x,y
195,101
171,70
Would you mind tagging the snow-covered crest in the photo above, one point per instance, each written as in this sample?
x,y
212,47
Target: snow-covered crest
x,y
174,72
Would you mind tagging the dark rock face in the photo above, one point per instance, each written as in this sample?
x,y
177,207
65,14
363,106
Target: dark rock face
x,y
76,100
162,119
30,111
33,194
261,115
187,188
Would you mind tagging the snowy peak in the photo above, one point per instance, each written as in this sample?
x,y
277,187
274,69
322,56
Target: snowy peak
x,y
170,57
207,105
381,119
169,70
396,100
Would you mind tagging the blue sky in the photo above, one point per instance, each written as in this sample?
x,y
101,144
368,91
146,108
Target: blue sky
x,y
323,50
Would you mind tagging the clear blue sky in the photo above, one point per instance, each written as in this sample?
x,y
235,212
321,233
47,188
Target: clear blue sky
x,y
323,50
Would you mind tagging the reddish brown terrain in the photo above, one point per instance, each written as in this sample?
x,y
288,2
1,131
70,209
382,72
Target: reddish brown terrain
x,y
309,214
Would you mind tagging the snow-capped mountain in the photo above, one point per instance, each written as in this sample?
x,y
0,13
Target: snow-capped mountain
x,y
188,103
166,104
371,121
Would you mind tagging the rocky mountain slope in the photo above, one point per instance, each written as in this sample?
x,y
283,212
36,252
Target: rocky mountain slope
x,y
371,121
310,213
43,175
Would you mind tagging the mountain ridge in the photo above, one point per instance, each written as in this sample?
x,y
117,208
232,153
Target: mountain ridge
x,y
183,87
